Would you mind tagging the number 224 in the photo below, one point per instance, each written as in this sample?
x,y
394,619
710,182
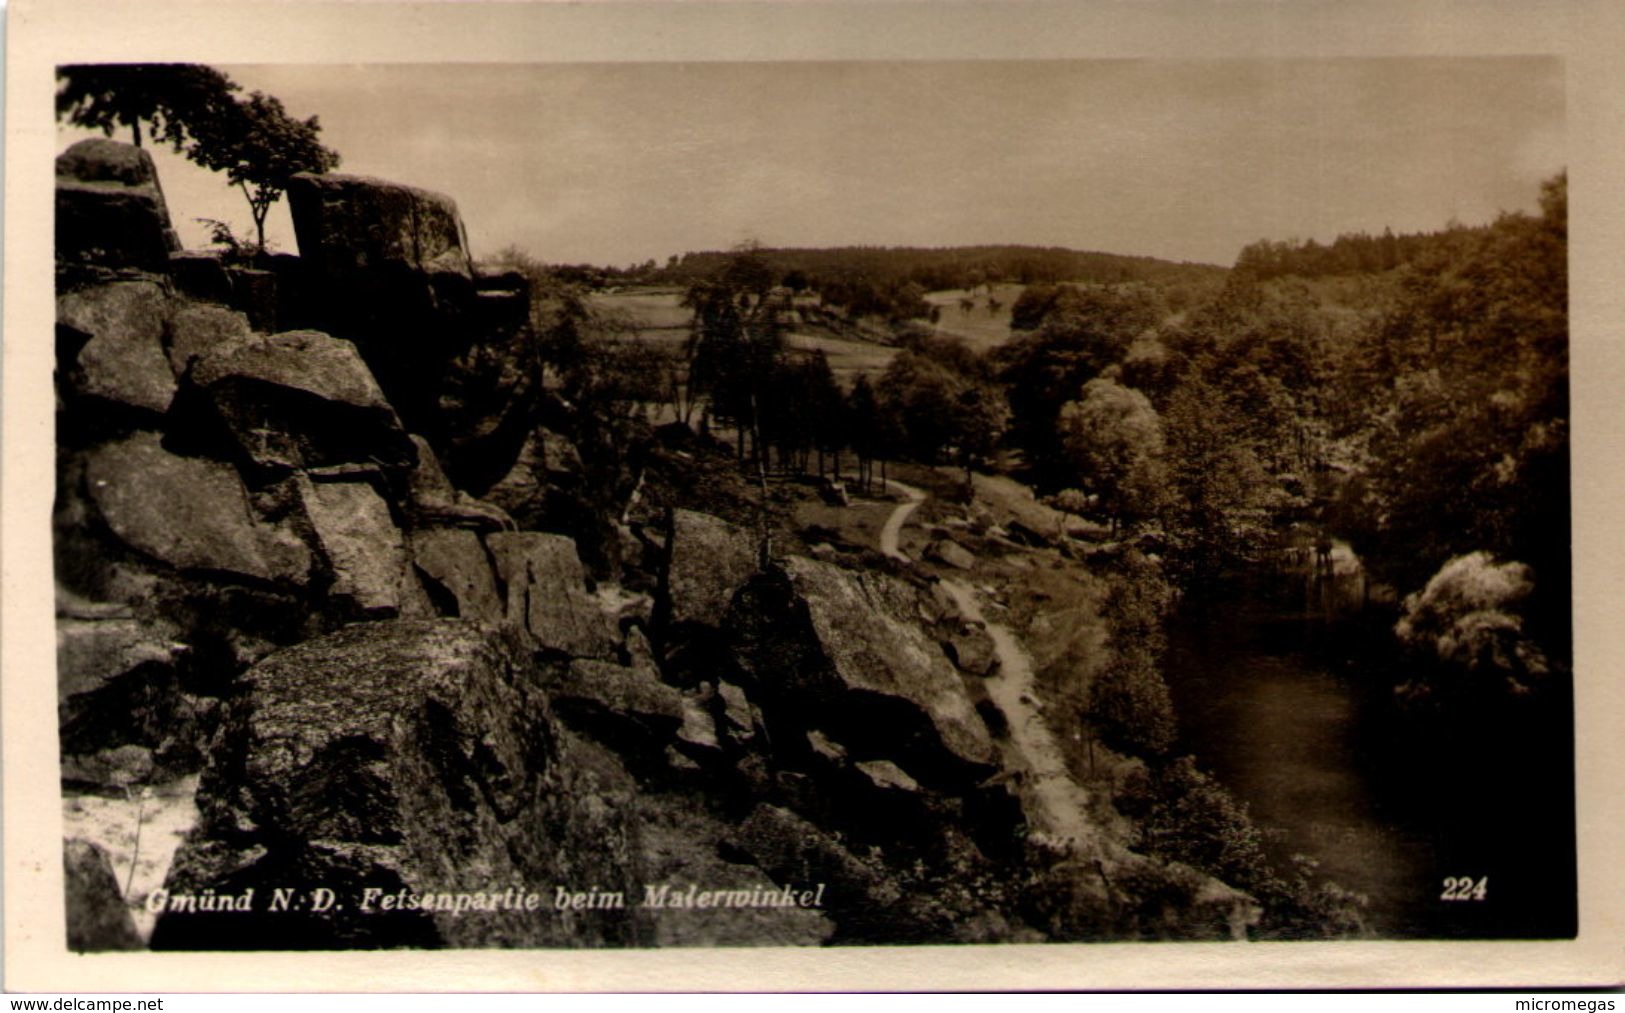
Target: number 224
x,y
1463,888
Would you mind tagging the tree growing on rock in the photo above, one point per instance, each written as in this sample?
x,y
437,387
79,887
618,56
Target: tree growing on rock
x,y
260,147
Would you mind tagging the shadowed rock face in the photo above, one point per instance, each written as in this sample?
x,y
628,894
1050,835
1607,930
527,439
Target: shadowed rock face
x,y
547,594
115,336
110,209
300,399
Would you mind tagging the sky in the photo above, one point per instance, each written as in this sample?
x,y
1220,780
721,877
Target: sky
x,y
1185,160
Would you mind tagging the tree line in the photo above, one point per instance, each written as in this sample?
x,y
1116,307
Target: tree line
x,y
953,267
1349,253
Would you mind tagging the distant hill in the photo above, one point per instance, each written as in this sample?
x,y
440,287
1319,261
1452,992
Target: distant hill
x,y
955,267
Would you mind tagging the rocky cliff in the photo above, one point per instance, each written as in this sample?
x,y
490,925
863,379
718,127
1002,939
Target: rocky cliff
x,y
288,559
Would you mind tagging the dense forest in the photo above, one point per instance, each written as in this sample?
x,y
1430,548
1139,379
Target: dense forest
x,y
1350,253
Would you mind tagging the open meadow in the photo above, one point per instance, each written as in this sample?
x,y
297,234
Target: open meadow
x,y
986,324
656,316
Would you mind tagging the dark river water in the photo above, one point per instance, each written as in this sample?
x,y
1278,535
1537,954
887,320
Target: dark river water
x,y
1280,698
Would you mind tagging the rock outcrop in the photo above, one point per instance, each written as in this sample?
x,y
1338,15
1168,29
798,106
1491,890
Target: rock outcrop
x,y
387,267
419,760
110,209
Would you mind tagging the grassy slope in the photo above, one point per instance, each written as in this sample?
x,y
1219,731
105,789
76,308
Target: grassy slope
x,y
655,316
980,328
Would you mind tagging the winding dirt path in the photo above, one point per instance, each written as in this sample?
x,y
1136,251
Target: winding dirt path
x,y
894,523
1055,804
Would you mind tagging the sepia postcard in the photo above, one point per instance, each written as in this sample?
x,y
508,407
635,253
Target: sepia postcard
x,y
791,496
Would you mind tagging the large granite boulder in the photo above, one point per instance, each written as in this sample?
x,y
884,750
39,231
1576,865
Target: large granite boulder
x,y
402,766
350,227
97,917
111,345
843,651
300,399
405,756
188,512
110,209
